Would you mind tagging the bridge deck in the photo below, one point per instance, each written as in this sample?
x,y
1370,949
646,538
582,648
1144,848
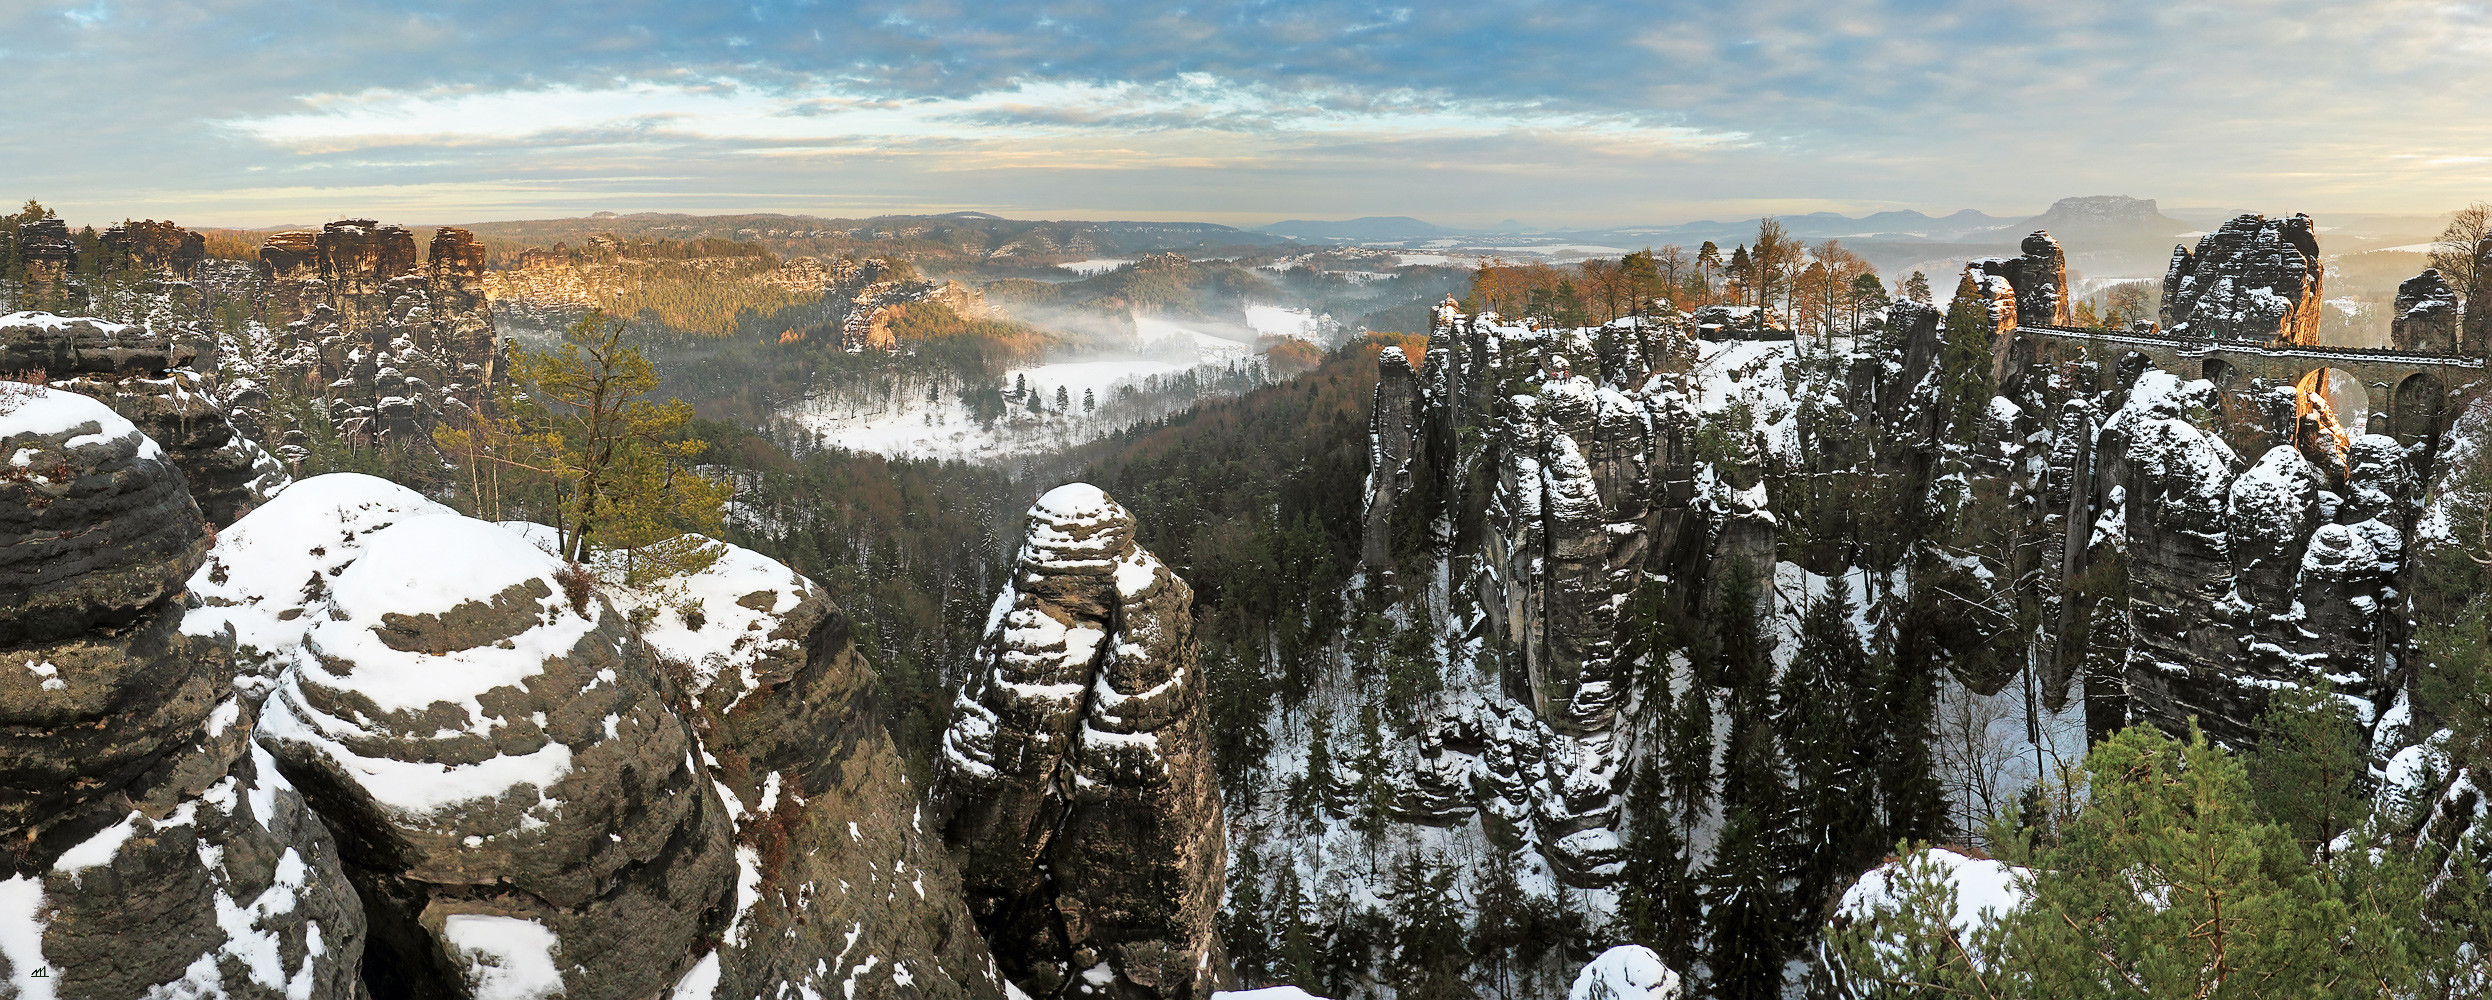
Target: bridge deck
x,y
2201,347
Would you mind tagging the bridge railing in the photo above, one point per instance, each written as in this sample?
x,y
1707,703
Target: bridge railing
x,y
2196,346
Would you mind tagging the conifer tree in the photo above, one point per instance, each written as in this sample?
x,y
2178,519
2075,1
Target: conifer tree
x,y
2308,771
1746,924
1964,364
1430,953
1502,924
1825,677
1688,754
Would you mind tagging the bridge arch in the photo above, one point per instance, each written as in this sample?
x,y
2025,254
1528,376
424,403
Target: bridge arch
x,y
2417,408
2338,396
2220,372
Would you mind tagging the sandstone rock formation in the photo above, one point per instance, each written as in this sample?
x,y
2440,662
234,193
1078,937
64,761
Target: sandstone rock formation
x,y
1077,788
145,376
393,349
2039,280
521,807
154,851
2253,278
2427,314
838,864
1391,445
160,249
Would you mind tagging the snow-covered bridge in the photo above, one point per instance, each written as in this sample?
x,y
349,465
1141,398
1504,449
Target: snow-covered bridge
x,y
2401,393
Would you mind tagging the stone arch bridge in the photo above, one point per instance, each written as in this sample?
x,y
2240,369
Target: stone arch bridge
x,y
2406,393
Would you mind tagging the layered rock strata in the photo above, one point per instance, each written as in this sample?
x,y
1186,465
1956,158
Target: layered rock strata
x,y
522,808
844,887
2253,278
146,377
1077,788
154,851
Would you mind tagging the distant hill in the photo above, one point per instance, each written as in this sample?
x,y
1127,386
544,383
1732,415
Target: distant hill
x,y
1374,228
2108,219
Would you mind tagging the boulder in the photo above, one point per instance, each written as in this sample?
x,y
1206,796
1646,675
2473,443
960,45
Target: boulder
x,y
519,803
154,852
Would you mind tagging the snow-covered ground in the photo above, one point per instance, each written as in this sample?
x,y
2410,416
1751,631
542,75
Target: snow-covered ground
x,y
1086,268
1281,321
906,424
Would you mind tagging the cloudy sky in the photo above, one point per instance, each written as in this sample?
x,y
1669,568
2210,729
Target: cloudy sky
x,y
252,112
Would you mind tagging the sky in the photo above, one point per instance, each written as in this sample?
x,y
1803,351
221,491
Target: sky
x,y
1573,114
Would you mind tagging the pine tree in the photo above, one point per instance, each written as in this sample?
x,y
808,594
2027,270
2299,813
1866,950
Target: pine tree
x,y
2308,771
1657,896
1298,955
1964,364
1825,677
1430,953
1502,922
1745,926
1917,287
1688,756
1246,920
1904,675
1090,401
1064,400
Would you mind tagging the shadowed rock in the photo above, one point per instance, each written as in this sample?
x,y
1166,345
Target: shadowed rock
x,y
1077,786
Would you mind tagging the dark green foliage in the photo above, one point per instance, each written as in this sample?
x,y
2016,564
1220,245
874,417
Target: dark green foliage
x,y
1747,915
1431,956
1657,895
2309,771
1836,830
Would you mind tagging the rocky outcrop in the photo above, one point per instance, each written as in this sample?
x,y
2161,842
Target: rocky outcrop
x,y
837,862
1391,444
2039,281
395,350
145,377
1077,788
50,256
154,852
2253,278
2478,322
521,807
2427,314
159,249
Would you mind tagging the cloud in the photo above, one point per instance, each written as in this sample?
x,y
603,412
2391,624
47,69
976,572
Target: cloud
x,y
255,111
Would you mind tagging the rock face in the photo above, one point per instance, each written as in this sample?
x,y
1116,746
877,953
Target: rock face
x,y
1077,788
394,349
155,852
2478,325
157,248
2427,315
836,859
520,806
2254,278
1391,445
145,377
2039,280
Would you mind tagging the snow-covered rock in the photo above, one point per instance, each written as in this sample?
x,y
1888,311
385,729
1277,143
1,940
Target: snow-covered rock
x,y
1076,785
487,728
1626,972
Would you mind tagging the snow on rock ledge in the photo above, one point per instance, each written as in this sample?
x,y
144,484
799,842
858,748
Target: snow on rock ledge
x,y
1627,972
1076,785
487,729
96,527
